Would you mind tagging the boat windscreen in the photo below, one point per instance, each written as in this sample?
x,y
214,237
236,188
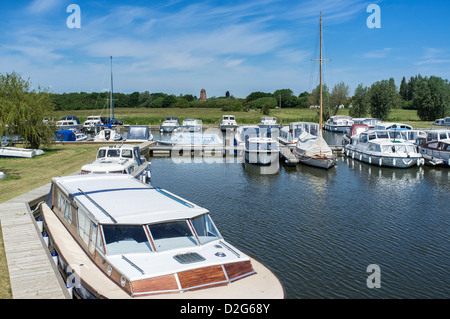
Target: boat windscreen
x,y
172,235
125,239
205,229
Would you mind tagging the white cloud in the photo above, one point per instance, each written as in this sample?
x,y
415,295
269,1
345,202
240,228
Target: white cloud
x,y
42,6
377,54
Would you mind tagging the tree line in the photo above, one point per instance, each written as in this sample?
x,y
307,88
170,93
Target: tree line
x,y
22,109
429,96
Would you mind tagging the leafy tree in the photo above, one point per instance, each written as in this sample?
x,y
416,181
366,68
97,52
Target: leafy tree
x,y
169,101
256,95
404,89
432,98
314,99
383,97
303,100
133,99
286,97
22,111
271,102
339,96
360,102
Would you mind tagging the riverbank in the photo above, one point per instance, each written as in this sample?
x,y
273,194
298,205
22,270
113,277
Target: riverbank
x,y
153,116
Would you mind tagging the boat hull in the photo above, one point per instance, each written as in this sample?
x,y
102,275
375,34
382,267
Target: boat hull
x,y
315,161
264,158
386,161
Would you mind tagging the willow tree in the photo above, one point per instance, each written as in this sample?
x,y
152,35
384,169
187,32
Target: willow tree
x,y
22,111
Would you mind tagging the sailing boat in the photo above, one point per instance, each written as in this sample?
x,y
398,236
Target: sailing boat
x,y
109,133
310,149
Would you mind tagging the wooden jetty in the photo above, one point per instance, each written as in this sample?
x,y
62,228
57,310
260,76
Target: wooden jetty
x,y
32,271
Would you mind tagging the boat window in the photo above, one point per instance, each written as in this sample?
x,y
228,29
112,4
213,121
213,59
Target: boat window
x,y
101,153
205,229
64,207
432,137
372,137
84,226
445,147
363,138
113,153
172,235
433,145
382,135
100,246
127,154
93,242
443,136
125,239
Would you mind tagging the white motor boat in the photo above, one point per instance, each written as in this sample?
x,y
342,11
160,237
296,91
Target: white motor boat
x,y
191,125
268,122
81,137
117,238
228,122
314,151
383,148
289,134
193,139
92,123
119,159
68,125
170,125
107,135
338,123
436,153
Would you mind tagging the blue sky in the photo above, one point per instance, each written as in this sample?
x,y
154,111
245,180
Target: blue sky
x,y
179,47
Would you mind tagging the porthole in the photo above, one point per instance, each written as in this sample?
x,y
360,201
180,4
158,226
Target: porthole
x,y
123,281
109,270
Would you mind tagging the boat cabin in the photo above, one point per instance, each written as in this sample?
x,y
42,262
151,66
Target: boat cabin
x,y
144,239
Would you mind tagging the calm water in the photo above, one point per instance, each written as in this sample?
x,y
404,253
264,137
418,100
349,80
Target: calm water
x,y
318,230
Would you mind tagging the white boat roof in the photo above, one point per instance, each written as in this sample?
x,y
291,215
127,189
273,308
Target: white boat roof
x,y
122,199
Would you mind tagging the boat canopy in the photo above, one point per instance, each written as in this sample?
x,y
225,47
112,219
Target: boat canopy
x,y
312,145
122,199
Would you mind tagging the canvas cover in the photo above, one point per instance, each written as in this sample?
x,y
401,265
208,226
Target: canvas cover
x,y
312,145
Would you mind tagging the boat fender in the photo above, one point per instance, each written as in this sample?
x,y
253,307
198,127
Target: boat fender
x,y
370,159
394,162
381,161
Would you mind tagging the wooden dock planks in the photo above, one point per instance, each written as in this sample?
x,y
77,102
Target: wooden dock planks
x,y
32,272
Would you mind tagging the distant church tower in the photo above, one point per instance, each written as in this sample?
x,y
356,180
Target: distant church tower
x,y
203,95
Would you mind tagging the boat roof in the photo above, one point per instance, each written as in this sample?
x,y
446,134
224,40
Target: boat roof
x,y
122,199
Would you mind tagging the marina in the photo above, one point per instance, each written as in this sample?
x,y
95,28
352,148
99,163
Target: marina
x,y
328,261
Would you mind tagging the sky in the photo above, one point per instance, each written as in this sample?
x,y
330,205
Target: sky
x,y
179,47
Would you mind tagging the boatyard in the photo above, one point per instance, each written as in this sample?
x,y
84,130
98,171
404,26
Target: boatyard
x,y
262,188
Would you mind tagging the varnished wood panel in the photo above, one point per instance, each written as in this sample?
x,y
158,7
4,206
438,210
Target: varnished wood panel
x,y
161,283
201,276
238,269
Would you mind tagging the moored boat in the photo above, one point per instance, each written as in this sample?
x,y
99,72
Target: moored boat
x,y
130,240
119,159
436,153
338,123
268,122
383,148
191,125
170,125
107,135
193,139
289,134
314,151
228,122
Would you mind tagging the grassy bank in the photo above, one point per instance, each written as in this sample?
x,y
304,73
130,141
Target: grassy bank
x,y
153,116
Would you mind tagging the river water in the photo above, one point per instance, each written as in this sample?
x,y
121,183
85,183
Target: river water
x,y
319,230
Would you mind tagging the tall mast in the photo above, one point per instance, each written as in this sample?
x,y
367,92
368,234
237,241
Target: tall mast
x,y
112,94
321,61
